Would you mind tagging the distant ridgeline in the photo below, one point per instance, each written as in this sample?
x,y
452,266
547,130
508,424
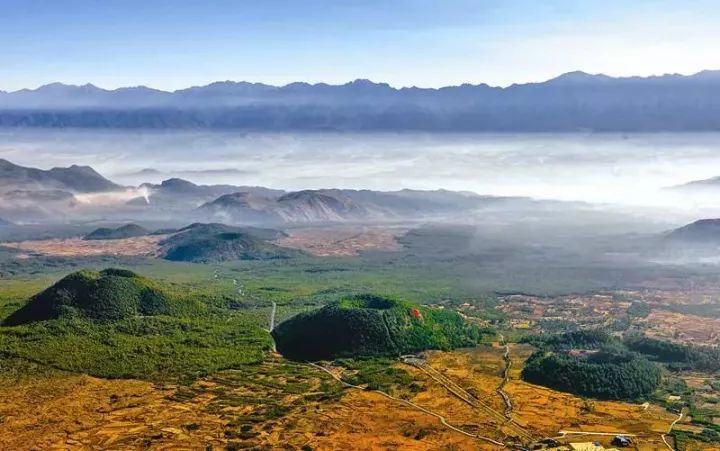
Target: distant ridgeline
x,y
369,325
108,295
574,101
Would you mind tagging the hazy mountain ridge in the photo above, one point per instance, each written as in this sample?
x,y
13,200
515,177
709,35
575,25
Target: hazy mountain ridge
x,y
80,179
339,205
572,101
30,196
711,183
701,231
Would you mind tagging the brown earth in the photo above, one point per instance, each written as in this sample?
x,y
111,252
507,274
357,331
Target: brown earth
x,y
541,411
227,411
683,328
343,240
285,405
77,247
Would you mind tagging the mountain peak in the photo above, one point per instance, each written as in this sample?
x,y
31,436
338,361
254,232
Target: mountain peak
x,y
579,77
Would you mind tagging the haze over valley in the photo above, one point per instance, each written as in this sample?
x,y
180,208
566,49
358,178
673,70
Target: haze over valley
x,y
361,225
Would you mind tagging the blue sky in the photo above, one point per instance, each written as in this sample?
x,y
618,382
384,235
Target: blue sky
x,y
170,44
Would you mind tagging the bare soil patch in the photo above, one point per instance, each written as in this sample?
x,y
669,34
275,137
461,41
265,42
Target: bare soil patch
x,y
77,247
683,328
343,240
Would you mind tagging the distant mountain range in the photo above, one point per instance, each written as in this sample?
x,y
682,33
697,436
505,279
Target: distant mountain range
x,y
570,102
339,205
79,179
710,184
79,192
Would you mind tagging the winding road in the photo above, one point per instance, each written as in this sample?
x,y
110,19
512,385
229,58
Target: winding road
x,y
463,395
506,377
672,425
442,419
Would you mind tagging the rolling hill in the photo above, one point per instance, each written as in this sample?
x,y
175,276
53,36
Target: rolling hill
x,y
107,295
217,243
590,363
125,231
367,325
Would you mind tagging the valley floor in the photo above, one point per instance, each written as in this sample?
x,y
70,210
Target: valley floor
x,y
279,404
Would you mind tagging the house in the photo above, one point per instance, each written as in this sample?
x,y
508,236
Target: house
x,y
621,441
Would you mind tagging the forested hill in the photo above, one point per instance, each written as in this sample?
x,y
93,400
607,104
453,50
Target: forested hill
x,y
570,102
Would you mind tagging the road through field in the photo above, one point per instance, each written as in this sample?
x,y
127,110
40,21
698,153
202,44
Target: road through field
x,y
442,419
672,425
463,395
506,377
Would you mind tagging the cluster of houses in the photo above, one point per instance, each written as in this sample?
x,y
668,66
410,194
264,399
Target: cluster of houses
x,y
618,441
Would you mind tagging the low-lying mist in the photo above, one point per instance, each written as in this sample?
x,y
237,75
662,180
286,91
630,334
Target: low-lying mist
x,y
622,170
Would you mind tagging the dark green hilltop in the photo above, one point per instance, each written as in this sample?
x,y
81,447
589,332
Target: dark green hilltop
x,y
108,295
211,243
371,325
591,363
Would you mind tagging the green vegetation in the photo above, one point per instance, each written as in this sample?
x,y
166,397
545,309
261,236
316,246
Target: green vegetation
x,y
114,323
594,363
126,231
207,243
366,325
578,339
639,309
379,373
705,417
155,348
110,294
676,356
590,363
599,374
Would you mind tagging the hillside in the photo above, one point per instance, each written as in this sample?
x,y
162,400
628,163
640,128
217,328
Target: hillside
x,y
570,102
602,375
125,231
368,325
295,207
702,231
217,242
590,363
339,205
78,179
182,193
108,295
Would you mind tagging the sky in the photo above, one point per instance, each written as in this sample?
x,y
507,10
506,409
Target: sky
x,y
172,44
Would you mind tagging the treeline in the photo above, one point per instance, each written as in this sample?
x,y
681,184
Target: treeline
x,y
676,356
601,375
578,339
